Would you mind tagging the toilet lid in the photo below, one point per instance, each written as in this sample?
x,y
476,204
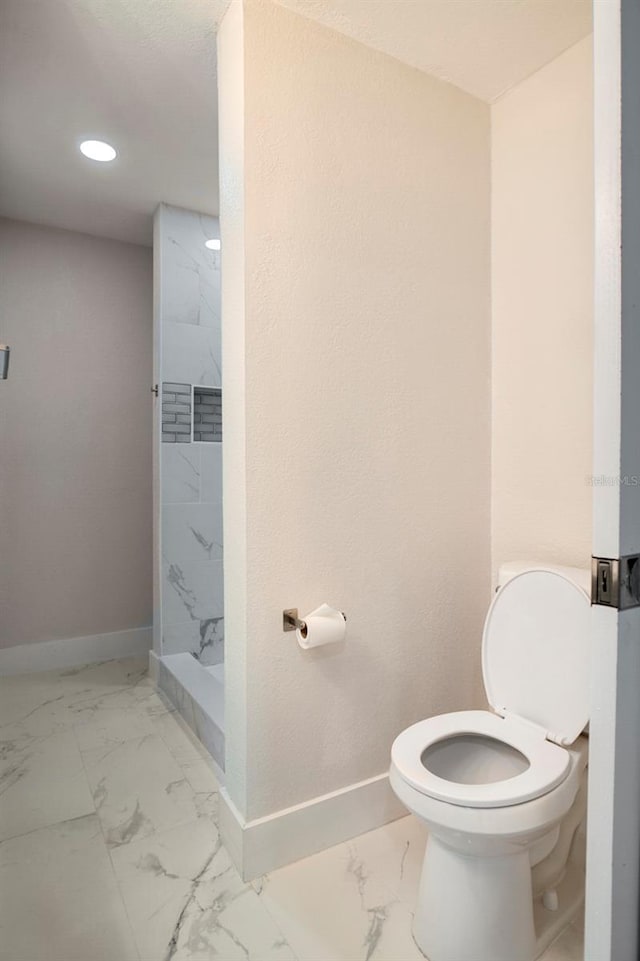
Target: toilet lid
x,y
535,653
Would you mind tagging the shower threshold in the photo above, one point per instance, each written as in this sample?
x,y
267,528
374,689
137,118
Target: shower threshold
x,y
197,693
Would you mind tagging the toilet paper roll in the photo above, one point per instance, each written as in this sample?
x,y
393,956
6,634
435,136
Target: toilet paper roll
x,y
322,626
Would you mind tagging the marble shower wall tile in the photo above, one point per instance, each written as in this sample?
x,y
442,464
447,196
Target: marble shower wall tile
x,y
211,475
191,533
191,355
191,272
180,474
192,581
193,591
204,639
191,474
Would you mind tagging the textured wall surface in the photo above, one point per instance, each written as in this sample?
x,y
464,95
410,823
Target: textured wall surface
x,y
75,435
481,46
358,315
542,302
191,610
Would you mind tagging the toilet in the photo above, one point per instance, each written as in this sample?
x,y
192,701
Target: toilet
x,y
503,792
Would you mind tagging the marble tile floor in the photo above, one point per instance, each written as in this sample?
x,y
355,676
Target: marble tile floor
x,y
109,848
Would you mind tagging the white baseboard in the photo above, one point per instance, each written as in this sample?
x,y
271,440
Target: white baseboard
x,y
154,667
260,846
74,651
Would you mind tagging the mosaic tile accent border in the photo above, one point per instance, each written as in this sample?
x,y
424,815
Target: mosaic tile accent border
x,y
207,414
176,413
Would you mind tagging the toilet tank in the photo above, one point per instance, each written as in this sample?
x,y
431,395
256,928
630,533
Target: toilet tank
x,y
580,576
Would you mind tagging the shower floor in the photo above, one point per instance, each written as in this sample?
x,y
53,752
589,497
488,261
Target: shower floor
x,y
197,693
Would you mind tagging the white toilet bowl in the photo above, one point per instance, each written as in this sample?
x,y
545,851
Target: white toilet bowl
x,y
503,793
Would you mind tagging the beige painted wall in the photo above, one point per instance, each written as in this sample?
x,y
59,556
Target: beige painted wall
x,y
75,435
355,234
542,293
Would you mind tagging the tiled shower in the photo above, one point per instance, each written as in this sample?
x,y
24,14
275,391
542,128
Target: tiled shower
x,y
189,612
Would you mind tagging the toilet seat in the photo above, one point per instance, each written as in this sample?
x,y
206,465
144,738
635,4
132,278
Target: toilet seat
x,y
548,763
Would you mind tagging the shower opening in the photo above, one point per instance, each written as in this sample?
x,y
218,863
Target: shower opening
x,y
189,603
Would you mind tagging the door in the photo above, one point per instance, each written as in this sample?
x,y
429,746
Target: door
x,y
613,849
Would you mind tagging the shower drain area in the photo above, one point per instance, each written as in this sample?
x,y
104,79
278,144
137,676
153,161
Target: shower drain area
x,y
207,415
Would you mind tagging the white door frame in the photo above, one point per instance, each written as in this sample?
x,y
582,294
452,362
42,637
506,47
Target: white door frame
x,y
613,851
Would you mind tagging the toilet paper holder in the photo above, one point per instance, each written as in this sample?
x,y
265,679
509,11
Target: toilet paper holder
x,y
291,621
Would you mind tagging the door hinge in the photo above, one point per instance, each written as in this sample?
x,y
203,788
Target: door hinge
x,y
615,582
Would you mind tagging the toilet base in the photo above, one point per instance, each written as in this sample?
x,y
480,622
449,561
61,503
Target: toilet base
x,y
479,908
482,908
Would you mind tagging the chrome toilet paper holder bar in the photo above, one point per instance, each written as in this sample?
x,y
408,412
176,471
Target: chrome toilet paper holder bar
x,y
291,621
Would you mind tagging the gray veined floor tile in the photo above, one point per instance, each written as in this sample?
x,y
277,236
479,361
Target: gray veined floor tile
x,y
186,902
143,698
353,902
208,805
190,754
59,899
56,700
182,744
162,888
42,781
138,788
200,776
568,947
112,726
113,686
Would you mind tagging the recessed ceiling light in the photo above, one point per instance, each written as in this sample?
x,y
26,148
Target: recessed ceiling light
x,y
98,150
212,244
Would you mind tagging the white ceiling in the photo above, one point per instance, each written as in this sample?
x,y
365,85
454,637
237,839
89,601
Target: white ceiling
x,y
141,74
483,46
